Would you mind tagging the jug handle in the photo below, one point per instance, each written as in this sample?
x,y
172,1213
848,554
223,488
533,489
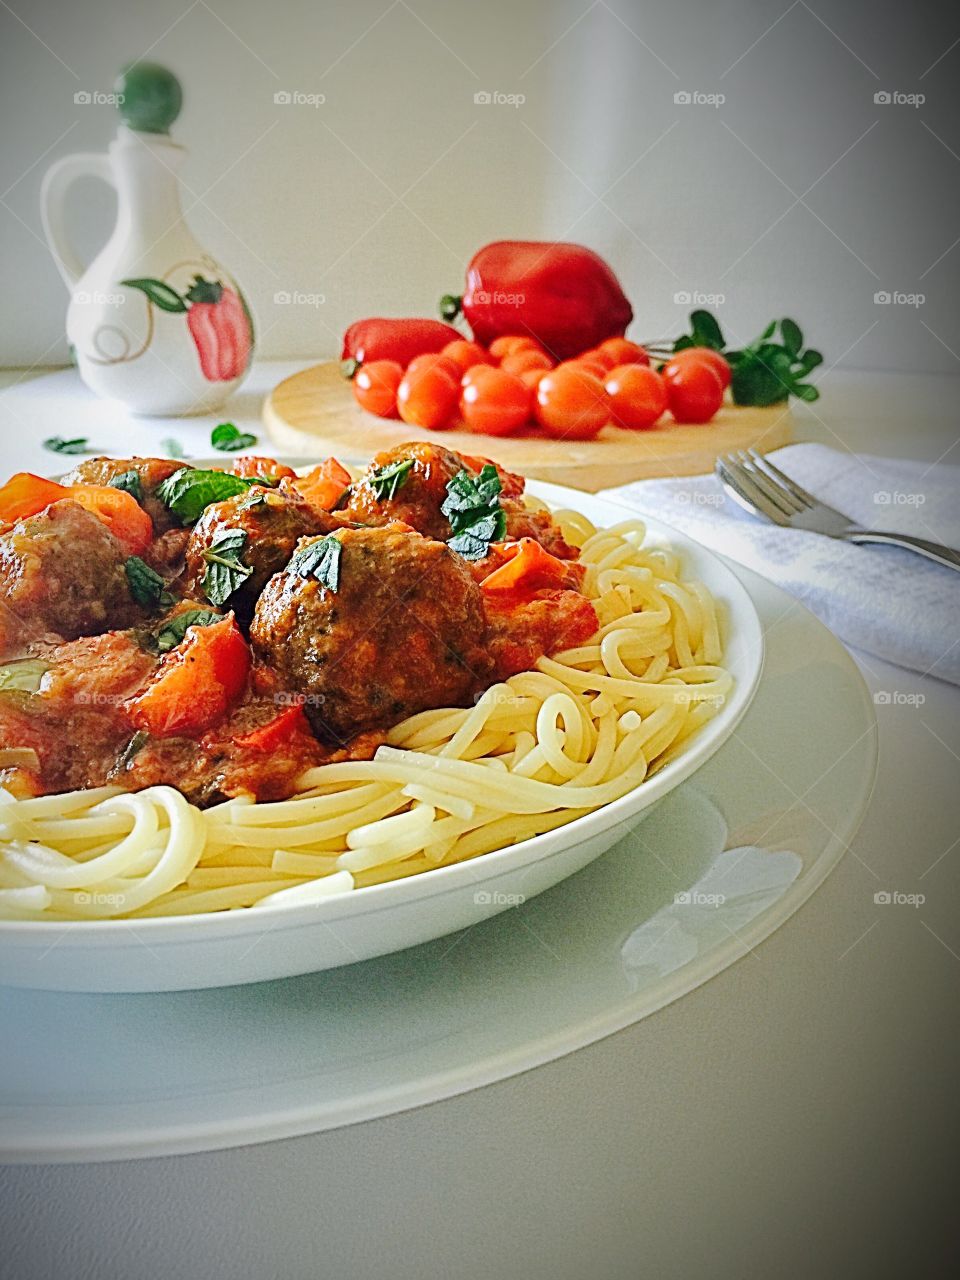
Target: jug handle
x,y
58,178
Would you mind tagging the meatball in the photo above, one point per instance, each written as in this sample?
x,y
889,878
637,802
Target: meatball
x,y
402,632
272,523
62,571
422,490
151,473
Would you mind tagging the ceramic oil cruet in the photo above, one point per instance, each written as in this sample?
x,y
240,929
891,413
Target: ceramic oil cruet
x,y
154,321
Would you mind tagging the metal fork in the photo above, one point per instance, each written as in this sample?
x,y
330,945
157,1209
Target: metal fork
x,y
762,489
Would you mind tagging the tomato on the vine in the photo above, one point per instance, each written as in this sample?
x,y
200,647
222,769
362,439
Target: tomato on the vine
x,y
637,396
694,390
571,402
427,396
375,387
496,401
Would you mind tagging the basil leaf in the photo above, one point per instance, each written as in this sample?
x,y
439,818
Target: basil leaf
x,y
809,361
159,293
228,439
172,448
189,491
24,676
706,330
171,633
473,508
146,585
57,444
225,570
792,337
805,392
129,482
755,383
319,559
385,481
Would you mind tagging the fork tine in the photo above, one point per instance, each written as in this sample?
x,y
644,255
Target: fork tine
x,y
780,497
745,492
799,493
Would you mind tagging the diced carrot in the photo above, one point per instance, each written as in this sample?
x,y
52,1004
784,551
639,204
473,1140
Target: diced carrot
x,y
25,494
324,485
119,511
275,732
196,684
529,568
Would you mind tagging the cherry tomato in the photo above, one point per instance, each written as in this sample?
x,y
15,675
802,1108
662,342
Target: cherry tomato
x,y
526,358
475,371
623,351
637,395
375,387
496,402
431,359
508,344
598,369
427,396
694,390
465,354
571,402
706,355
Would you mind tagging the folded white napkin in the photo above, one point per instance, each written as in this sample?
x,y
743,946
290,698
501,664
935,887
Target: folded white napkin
x,y
884,600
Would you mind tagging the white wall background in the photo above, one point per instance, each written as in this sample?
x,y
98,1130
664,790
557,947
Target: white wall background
x,y
798,195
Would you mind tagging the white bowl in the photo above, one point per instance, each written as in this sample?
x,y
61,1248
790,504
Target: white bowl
x,y
230,948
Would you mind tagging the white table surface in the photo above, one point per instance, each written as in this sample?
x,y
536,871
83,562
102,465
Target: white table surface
x,y
792,1117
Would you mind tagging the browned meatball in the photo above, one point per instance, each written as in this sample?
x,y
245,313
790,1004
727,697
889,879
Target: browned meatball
x,y
62,571
271,524
402,632
151,472
422,489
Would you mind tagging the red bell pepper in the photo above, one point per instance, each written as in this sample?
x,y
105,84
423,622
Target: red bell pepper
x,y
381,339
527,568
323,486
196,684
563,295
220,328
277,732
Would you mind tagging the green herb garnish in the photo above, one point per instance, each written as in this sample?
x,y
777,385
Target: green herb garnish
x,y
188,492
764,373
171,633
228,439
146,585
225,570
473,508
136,743
129,482
23,676
319,559
57,444
172,448
385,481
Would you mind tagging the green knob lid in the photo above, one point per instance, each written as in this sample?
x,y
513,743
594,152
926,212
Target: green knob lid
x,y
149,97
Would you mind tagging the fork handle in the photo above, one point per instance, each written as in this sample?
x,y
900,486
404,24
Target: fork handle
x,y
932,550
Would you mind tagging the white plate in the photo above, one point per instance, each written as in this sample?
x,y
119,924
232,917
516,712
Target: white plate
x,y
221,949
86,1077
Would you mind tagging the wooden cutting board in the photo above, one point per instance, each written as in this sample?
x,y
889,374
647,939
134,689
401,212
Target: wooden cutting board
x,y
313,414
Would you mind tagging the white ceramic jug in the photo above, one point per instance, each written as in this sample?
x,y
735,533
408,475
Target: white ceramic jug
x,y
154,321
